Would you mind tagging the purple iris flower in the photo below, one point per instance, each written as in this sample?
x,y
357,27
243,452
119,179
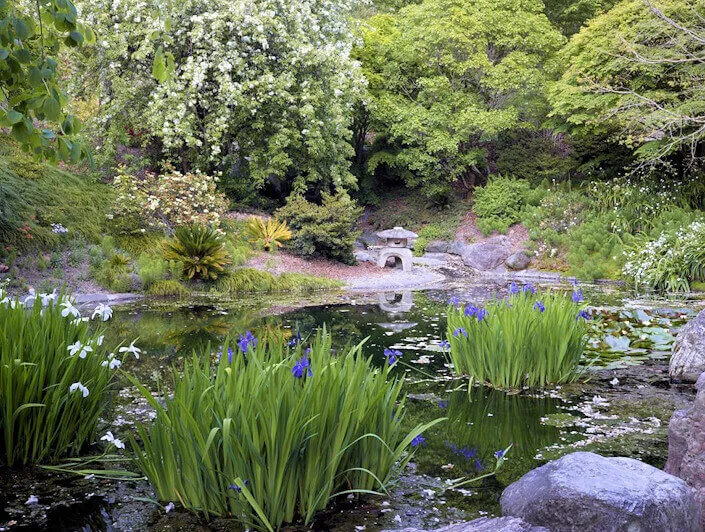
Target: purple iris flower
x,y
539,306
460,330
471,310
482,314
442,404
499,454
247,340
513,288
454,301
302,367
583,314
444,344
295,339
418,440
528,287
237,488
577,295
392,355
478,465
230,355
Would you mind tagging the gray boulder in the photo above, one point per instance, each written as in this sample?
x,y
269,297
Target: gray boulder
x,y
437,246
486,255
588,492
364,256
488,524
688,359
686,445
518,261
457,247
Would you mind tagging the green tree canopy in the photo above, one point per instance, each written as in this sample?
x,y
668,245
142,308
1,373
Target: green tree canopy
x,y
31,98
447,76
637,74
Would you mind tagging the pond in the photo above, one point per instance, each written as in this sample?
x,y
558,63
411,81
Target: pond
x,y
620,406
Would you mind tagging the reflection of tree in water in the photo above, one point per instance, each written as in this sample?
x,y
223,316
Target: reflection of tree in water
x,y
487,420
478,425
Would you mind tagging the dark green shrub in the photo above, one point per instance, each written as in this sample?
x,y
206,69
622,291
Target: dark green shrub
x,y
326,230
500,202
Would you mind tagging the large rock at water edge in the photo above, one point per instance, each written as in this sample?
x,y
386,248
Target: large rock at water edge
x,y
518,261
457,247
688,359
487,524
686,445
437,246
487,255
588,492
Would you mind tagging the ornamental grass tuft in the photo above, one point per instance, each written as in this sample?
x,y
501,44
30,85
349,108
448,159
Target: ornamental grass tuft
x,y
273,433
55,375
530,339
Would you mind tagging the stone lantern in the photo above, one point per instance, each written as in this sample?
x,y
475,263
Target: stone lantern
x,y
394,244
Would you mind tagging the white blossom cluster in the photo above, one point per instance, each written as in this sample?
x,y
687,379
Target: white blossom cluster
x,y
267,82
670,260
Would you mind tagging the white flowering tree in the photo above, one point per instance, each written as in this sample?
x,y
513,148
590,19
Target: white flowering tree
x,y
261,89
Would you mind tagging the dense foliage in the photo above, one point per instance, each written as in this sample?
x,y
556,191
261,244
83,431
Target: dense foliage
x,y
445,77
326,230
276,433
636,72
31,38
530,339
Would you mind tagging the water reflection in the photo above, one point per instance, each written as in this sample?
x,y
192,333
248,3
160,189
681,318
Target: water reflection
x,y
396,302
479,424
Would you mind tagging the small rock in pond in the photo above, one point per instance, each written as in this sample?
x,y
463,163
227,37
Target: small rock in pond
x,y
518,261
437,246
588,492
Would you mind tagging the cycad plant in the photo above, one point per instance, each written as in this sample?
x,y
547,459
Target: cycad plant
x,y
267,233
54,379
200,249
274,432
529,339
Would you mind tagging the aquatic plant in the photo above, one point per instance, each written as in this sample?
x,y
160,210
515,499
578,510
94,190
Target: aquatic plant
x,y
55,374
275,432
530,339
200,249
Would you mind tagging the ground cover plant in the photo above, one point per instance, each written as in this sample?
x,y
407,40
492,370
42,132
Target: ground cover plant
x,y
55,377
530,339
274,432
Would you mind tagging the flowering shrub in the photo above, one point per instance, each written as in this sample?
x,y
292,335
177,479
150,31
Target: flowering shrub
x,y
671,261
263,86
529,339
276,432
165,201
55,373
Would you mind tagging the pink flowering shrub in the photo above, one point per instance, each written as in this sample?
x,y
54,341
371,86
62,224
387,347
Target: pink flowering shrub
x,y
161,202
